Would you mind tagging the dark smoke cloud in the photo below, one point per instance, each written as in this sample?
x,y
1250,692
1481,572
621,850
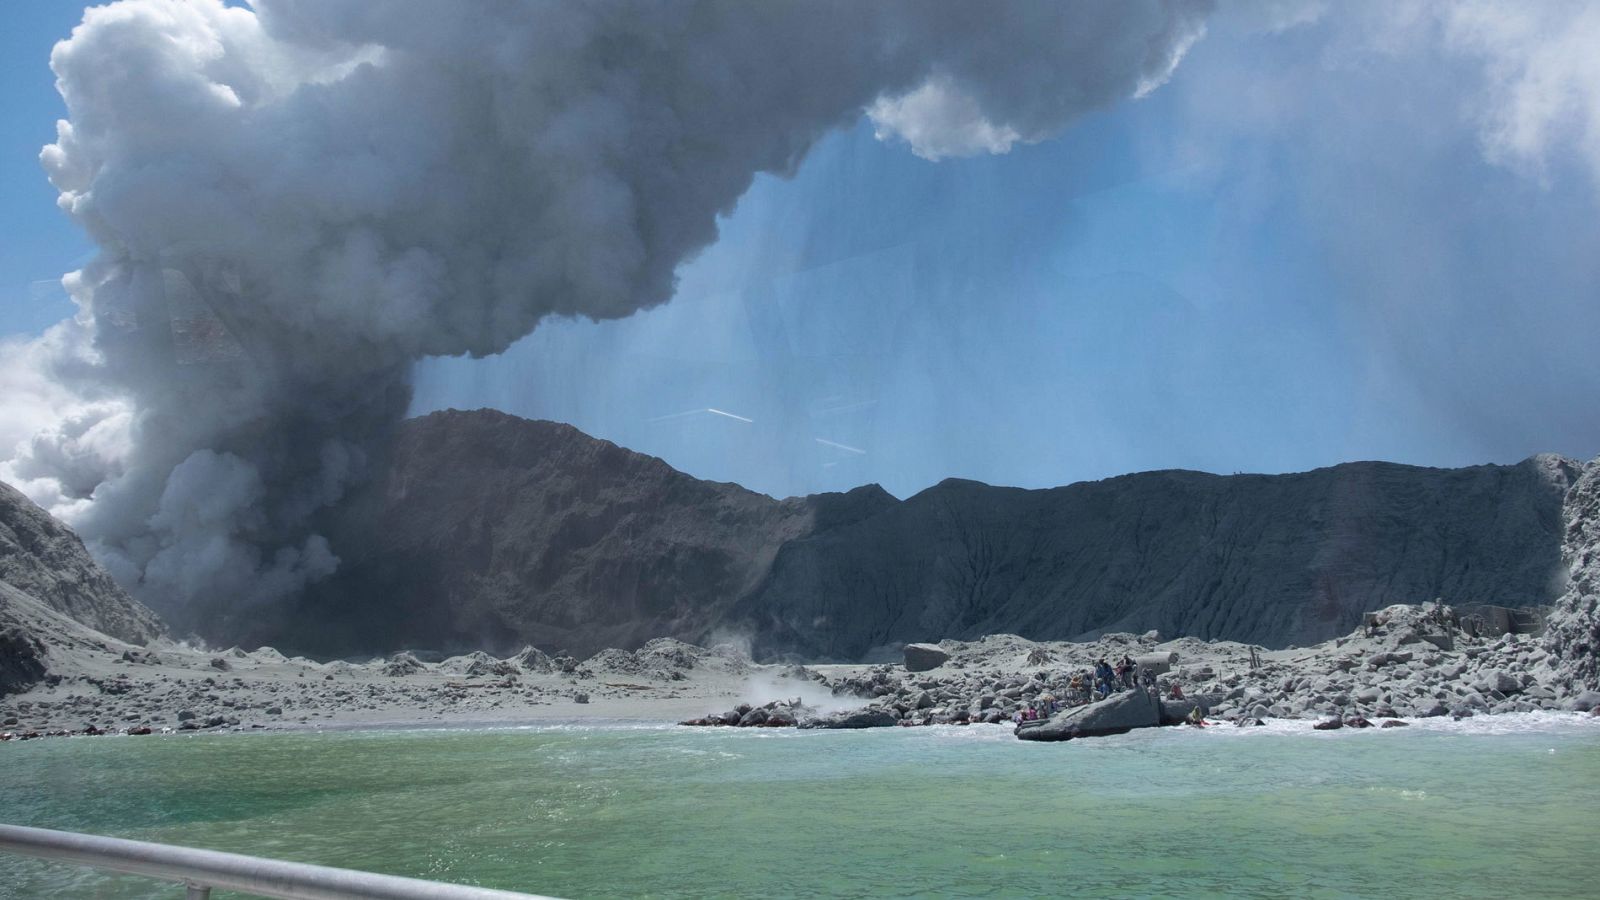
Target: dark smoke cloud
x,y
294,203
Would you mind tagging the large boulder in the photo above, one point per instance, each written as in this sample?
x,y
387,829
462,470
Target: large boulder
x,y
1176,712
922,657
1156,663
1116,714
1498,680
1583,702
402,664
21,660
532,659
866,717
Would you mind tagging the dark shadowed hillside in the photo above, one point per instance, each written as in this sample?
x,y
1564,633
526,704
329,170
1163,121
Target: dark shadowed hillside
x,y
490,530
1267,559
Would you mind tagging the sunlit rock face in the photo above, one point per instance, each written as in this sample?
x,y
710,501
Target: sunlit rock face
x,y
491,531
1574,628
44,560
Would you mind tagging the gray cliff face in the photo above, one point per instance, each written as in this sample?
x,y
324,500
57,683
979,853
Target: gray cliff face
x,y
492,531
1264,559
1573,635
43,559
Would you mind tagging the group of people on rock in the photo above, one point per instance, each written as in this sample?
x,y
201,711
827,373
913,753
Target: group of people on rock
x,y
1042,708
1106,679
1098,683
1109,678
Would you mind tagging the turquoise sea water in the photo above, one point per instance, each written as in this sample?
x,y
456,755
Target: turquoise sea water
x,y
1507,807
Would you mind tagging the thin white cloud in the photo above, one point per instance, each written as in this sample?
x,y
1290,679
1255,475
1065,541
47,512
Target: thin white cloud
x,y
1541,64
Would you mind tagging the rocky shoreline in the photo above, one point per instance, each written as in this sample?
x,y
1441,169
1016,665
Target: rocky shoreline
x,y
1410,663
1405,662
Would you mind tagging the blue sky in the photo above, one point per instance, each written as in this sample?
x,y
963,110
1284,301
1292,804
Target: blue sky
x,y
37,242
1300,251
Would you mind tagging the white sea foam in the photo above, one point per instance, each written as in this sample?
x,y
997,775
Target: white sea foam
x,y
1503,723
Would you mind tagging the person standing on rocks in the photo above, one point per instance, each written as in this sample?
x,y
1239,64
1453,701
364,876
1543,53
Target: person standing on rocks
x,y
1102,677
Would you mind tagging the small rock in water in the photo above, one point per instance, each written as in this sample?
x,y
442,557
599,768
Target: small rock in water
x,y
867,717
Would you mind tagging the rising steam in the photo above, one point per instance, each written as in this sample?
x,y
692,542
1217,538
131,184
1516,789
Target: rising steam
x,y
296,202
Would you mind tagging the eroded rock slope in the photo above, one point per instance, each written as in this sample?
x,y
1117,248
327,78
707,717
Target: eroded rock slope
x,y
492,531
43,559
54,598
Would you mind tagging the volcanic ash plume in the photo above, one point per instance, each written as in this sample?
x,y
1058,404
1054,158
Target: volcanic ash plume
x,y
294,203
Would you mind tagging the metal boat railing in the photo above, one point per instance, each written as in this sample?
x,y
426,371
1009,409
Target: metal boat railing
x,y
202,870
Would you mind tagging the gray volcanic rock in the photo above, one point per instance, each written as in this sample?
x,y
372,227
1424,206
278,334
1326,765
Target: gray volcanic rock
x,y
489,531
493,531
44,559
1264,559
1114,715
21,659
866,717
922,657
1176,712
1572,633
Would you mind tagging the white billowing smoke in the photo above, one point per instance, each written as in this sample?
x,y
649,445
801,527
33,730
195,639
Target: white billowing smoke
x,y
295,202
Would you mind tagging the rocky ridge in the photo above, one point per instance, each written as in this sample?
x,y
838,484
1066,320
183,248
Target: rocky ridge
x,y
492,532
55,599
43,559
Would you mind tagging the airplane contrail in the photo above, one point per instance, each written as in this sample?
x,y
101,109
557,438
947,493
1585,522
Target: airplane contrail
x,y
696,412
846,447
